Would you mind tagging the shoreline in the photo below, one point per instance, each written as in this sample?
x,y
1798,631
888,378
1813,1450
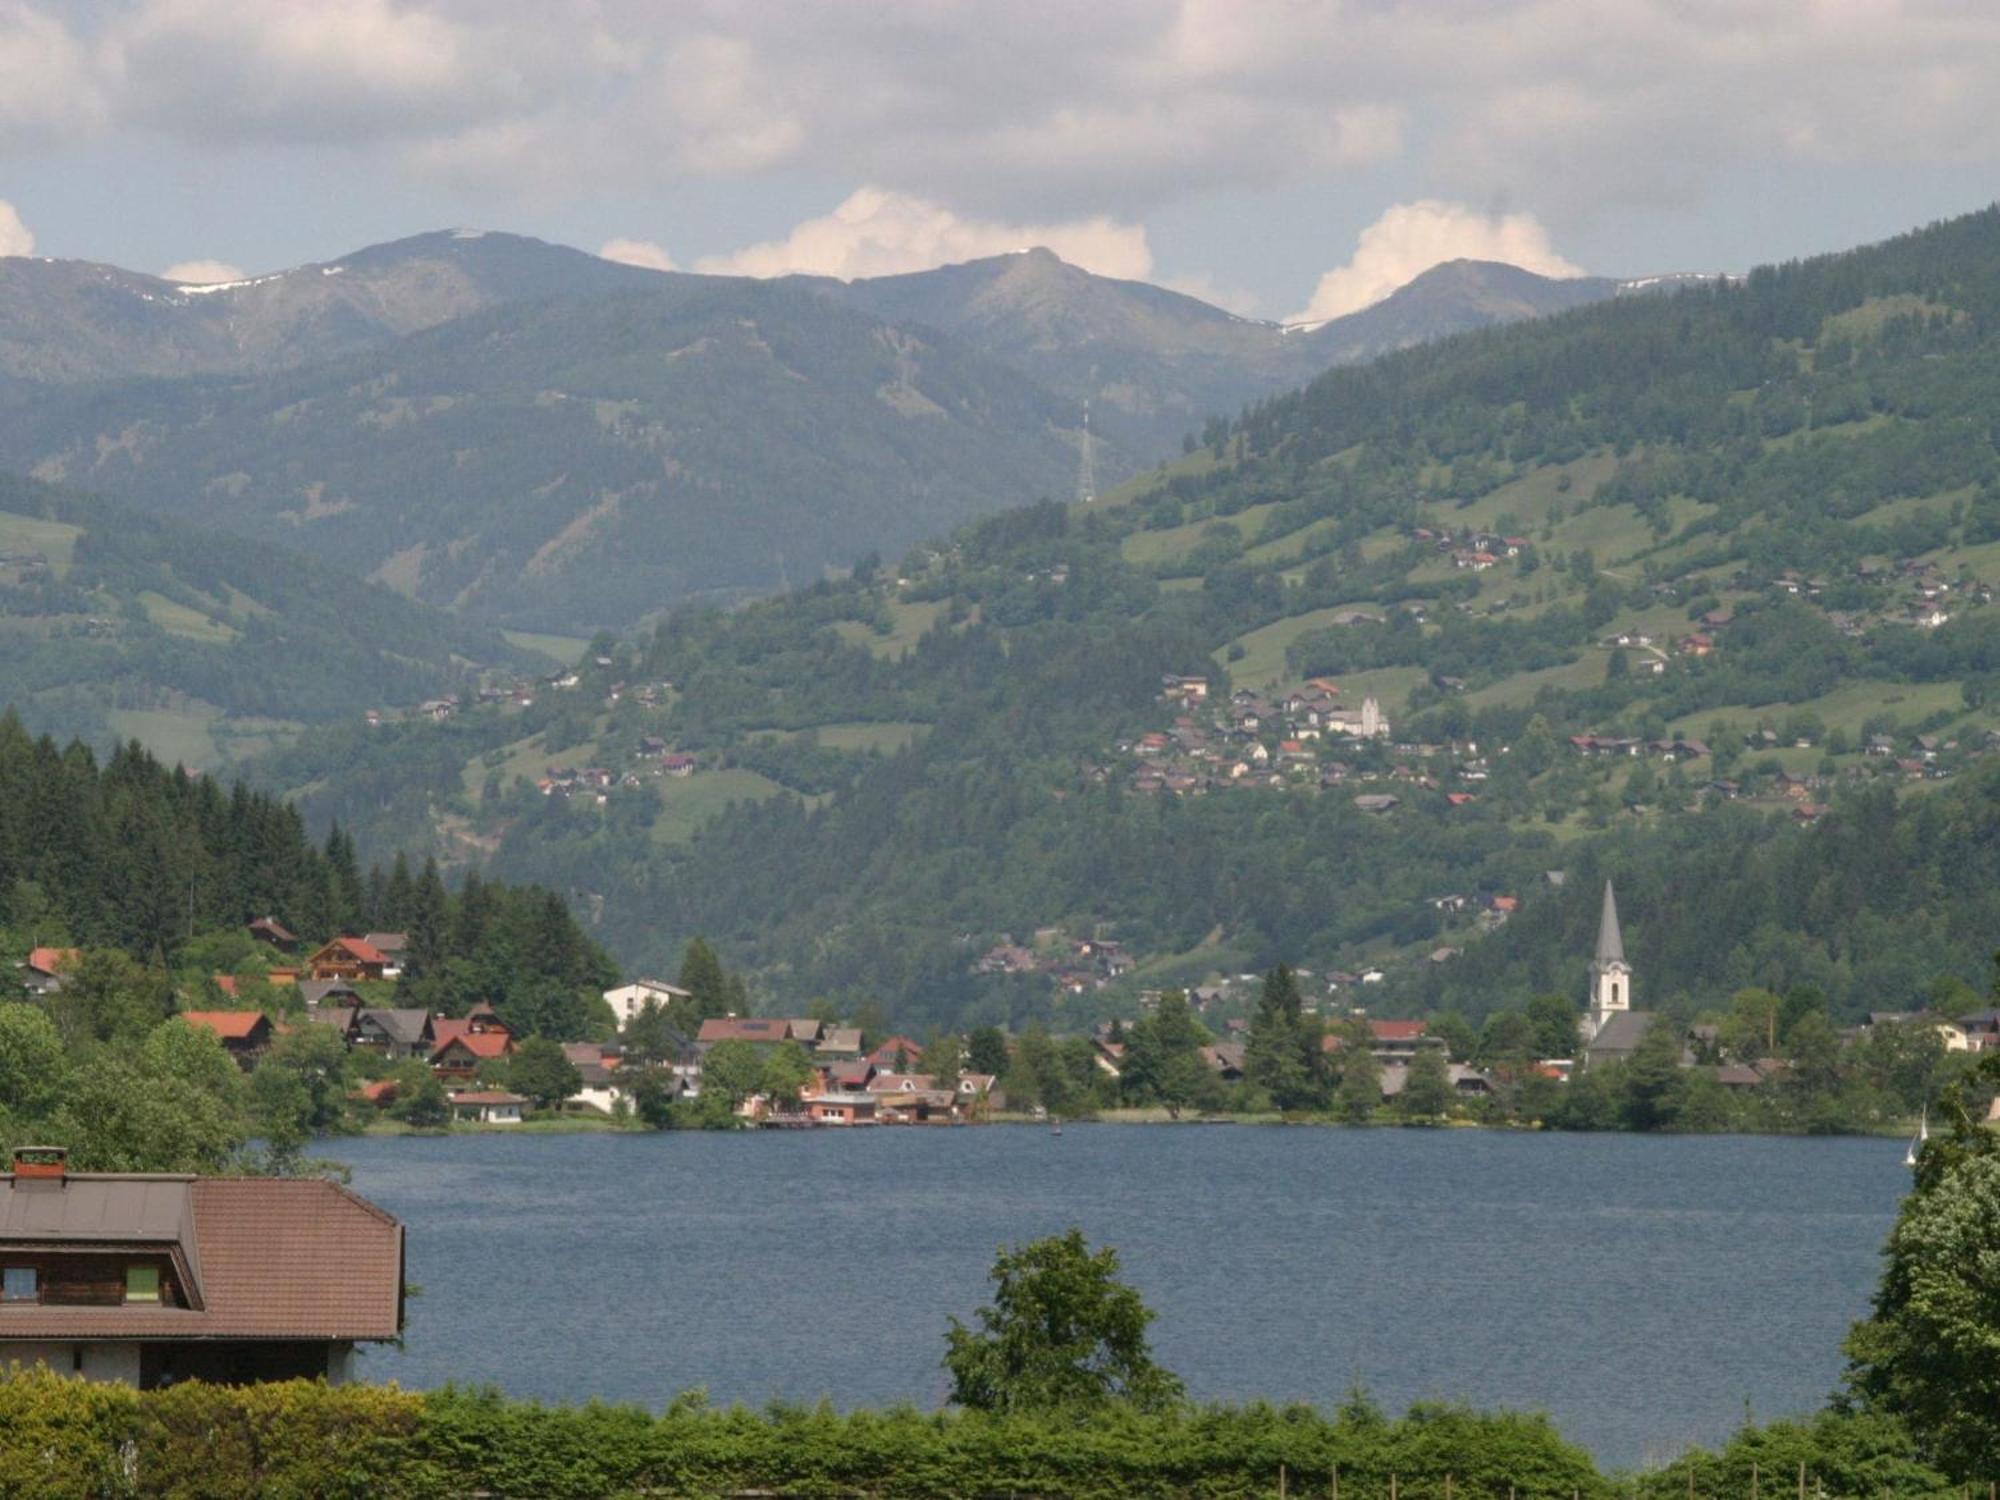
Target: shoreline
x,y
606,1125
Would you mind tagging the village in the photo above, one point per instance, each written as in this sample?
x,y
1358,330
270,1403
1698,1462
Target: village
x,y
806,1072
1310,737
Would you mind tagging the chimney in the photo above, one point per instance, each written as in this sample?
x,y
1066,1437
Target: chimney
x,y
41,1166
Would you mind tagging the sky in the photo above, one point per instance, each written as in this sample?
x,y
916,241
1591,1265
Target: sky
x,y
1285,158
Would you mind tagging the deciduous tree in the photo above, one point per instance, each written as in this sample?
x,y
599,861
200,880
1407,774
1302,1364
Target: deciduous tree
x,y
1063,1336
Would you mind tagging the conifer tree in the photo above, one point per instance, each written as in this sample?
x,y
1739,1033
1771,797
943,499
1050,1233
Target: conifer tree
x,y
428,930
394,910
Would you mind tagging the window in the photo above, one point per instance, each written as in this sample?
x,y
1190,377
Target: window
x,y
142,1283
20,1284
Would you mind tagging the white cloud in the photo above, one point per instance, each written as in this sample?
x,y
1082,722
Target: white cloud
x,y
47,91
875,232
329,72
1035,112
1412,237
201,272
637,253
15,238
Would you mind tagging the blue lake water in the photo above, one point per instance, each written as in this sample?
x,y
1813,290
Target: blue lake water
x,y
1645,1291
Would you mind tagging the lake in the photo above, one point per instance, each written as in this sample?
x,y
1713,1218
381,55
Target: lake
x,y
1643,1290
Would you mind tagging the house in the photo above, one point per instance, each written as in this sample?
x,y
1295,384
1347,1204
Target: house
x,y
1397,1041
458,1050
910,1099
597,1067
841,1107
678,764
341,1018
1225,1059
762,1031
395,1033
348,958
273,933
487,1107
147,1279
885,1058
840,1044
328,992
393,946
244,1033
628,1000
45,968
1678,749
1378,802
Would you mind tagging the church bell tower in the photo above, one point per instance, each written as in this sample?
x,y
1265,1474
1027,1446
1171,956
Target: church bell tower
x,y
1610,975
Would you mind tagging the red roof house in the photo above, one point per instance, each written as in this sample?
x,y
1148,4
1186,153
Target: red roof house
x,y
458,1054
348,958
244,1033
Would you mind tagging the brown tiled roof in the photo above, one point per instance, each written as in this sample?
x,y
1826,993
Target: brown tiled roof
x,y
481,1044
276,1258
230,1025
743,1029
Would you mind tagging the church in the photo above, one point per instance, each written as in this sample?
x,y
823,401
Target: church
x,y
1610,1029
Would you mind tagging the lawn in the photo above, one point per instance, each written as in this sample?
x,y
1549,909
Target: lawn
x,y
1912,505
1263,661
687,802
1610,532
190,624
1148,549
175,736
911,621
1201,461
563,650
887,738
1530,498
1843,708
55,540
1292,544
1587,671
527,758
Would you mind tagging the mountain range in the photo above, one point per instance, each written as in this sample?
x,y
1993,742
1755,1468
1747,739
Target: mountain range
x,y
1696,591
538,437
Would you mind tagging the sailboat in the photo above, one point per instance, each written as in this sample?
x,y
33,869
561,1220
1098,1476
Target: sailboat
x,y
1923,1134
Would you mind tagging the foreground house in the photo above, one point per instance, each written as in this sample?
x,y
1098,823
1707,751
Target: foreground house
x,y
148,1279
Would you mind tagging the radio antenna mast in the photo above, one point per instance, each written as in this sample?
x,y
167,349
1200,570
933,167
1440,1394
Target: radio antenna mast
x,y
1086,463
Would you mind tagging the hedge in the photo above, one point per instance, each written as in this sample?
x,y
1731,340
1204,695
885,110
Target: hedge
x,y
61,1438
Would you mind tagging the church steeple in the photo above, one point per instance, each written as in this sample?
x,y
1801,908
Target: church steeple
x,y
1610,942
1610,974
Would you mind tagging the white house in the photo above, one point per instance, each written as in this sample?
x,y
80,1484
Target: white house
x,y
487,1107
629,999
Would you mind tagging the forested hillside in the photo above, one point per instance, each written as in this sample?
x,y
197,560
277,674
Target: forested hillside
x,y
1625,604
130,886
115,624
